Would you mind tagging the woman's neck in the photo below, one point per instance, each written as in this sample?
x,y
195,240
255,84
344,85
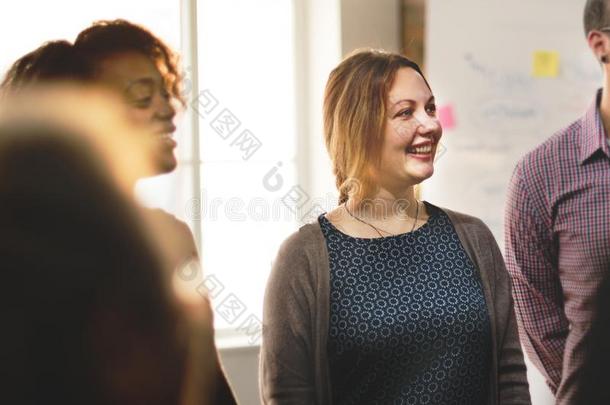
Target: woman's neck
x,y
385,205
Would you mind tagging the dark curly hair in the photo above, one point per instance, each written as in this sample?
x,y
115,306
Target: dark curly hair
x,y
54,60
109,37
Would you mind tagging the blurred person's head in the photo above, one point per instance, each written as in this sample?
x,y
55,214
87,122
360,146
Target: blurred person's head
x,y
52,61
90,296
87,316
380,124
92,110
144,70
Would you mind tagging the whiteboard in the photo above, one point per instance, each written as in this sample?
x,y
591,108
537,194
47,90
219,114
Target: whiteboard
x,y
479,60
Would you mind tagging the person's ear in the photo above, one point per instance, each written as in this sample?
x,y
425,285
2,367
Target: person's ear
x,y
600,45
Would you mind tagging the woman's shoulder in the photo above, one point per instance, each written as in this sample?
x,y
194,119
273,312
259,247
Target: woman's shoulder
x,y
475,235
170,222
308,236
298,260
174,234
164,216
477,239
466,223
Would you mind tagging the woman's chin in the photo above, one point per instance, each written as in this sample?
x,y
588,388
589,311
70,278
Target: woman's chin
x,y
420,175
166,164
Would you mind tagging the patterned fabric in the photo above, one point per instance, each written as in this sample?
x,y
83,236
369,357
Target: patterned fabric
x,y
558,245
408,318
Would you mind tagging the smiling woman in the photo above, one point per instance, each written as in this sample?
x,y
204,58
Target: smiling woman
x,y
159,16
141,67
398,300
138,65
353,138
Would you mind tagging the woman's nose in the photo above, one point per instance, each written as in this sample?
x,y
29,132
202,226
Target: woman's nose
x,y
164,109
427,124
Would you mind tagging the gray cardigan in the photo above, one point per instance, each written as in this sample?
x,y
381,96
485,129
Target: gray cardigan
x,y
293,361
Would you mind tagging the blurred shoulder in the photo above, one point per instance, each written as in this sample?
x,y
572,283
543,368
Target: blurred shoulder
x,y
173,233
170,221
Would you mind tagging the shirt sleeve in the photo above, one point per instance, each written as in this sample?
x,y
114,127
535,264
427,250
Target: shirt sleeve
x,y
531,261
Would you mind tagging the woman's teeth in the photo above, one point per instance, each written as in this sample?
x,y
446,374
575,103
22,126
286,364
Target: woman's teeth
x,y
421,149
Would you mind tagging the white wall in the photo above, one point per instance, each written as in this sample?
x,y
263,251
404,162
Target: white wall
x,y
241,367
371,24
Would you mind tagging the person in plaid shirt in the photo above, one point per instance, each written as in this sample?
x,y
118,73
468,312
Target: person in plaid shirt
x,y
558,229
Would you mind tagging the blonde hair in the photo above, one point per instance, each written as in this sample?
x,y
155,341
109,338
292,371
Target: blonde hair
x,y
355,114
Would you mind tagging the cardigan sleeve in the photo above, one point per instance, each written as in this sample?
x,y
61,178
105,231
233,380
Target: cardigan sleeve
x,y
511,377
513,388
286,357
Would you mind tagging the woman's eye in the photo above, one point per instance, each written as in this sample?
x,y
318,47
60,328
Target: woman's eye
x,y
142,103
405,113
431,109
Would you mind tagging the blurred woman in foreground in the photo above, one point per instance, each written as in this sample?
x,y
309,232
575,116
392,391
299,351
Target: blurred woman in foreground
x,y
90,312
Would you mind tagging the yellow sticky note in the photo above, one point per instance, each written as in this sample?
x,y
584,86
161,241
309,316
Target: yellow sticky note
x,y
545,64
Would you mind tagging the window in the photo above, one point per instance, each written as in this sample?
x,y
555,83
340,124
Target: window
x,y
246,69
245,104
28,24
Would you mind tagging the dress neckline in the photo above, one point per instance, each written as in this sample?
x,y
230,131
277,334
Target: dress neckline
x,y
432,213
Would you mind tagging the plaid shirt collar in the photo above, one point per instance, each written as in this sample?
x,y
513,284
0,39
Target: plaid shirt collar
x,y
593,132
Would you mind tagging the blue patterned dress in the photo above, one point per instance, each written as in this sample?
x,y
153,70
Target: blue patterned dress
x,y
408,318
